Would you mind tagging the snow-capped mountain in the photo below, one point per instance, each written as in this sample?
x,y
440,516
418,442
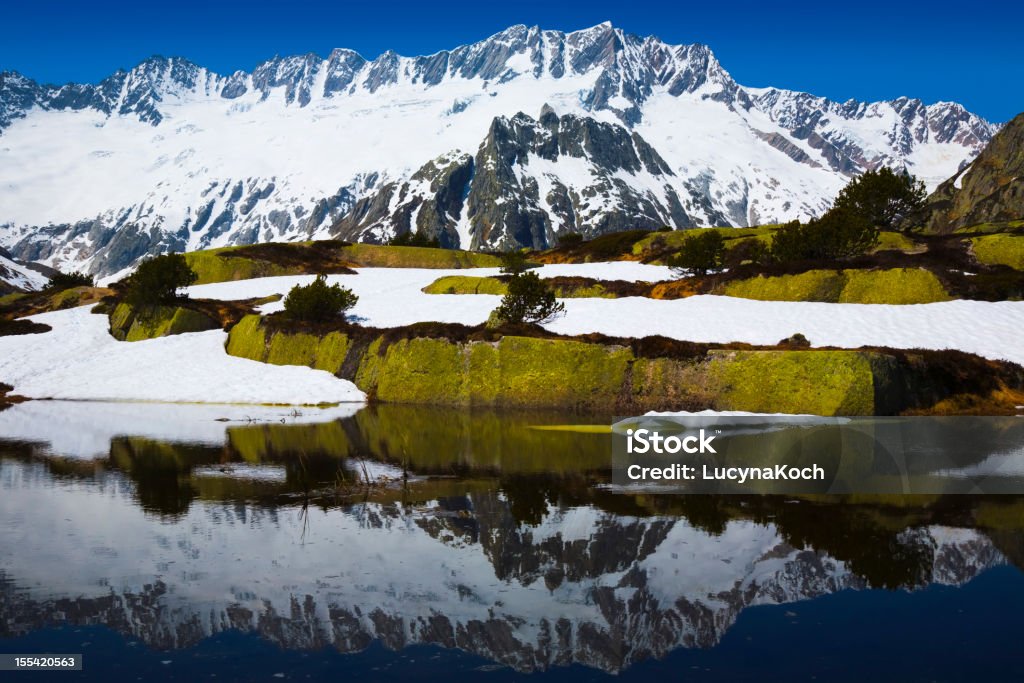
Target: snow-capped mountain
x,y
20,277
530,181
171,155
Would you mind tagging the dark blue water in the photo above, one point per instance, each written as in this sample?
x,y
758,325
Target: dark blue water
x,y
971,633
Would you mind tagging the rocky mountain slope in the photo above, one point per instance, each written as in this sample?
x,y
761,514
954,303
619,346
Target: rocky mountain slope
x,y
21,277
989,189
531,180
170,155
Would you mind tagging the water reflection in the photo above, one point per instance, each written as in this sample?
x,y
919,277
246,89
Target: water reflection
x,y
407,525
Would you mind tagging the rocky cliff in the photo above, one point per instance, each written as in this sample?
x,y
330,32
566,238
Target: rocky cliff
x,y
989,190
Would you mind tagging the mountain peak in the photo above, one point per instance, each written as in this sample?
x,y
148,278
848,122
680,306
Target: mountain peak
x,y
603,27
711,152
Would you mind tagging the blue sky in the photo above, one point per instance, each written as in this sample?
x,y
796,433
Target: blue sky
x,y
968,52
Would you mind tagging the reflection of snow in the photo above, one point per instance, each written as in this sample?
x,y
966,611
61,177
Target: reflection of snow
x,y
997,465
373,471
84,429
269,473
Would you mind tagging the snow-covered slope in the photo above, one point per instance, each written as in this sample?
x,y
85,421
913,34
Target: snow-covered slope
x,y
18,276
172,156
78,359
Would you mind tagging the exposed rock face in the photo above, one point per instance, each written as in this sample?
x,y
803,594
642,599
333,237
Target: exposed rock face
x,y
530,181
430,202
989,189
163,156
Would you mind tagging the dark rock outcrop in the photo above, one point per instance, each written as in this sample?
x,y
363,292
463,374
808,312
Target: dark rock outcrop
x,y
989,189
515,192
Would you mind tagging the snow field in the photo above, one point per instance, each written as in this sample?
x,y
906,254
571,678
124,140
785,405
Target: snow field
x,y
78,359
392,297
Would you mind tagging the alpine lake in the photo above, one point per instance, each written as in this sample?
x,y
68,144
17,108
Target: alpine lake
x,y
400,543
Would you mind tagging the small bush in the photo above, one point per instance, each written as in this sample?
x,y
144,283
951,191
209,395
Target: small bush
x,y
514,262
882,198
319,302
414,239
158,279
796,341
529,300
61,281
840,233
699,253
611,245
570,239
750,249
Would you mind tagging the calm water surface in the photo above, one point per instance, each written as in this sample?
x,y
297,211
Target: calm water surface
x,y
398,543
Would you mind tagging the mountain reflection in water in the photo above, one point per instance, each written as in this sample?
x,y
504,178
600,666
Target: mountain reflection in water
x,y
171,524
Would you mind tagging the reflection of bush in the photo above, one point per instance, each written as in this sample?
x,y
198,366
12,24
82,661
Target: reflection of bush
x,y
160,471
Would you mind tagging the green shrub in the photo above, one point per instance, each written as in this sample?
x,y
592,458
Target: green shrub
x,y
529,300
840,233
319,302
61,281
788,243
700,252
158,279
570,239
843,232
881,198
414,239
514,262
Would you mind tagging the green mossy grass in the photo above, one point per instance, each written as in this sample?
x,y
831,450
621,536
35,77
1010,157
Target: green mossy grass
x,y
382,256
670,241
889,240
556,372
1002,226
137,323
250,339
11,298
213,265
246,262
810,382
1007,250
892,286
469,284
466,284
